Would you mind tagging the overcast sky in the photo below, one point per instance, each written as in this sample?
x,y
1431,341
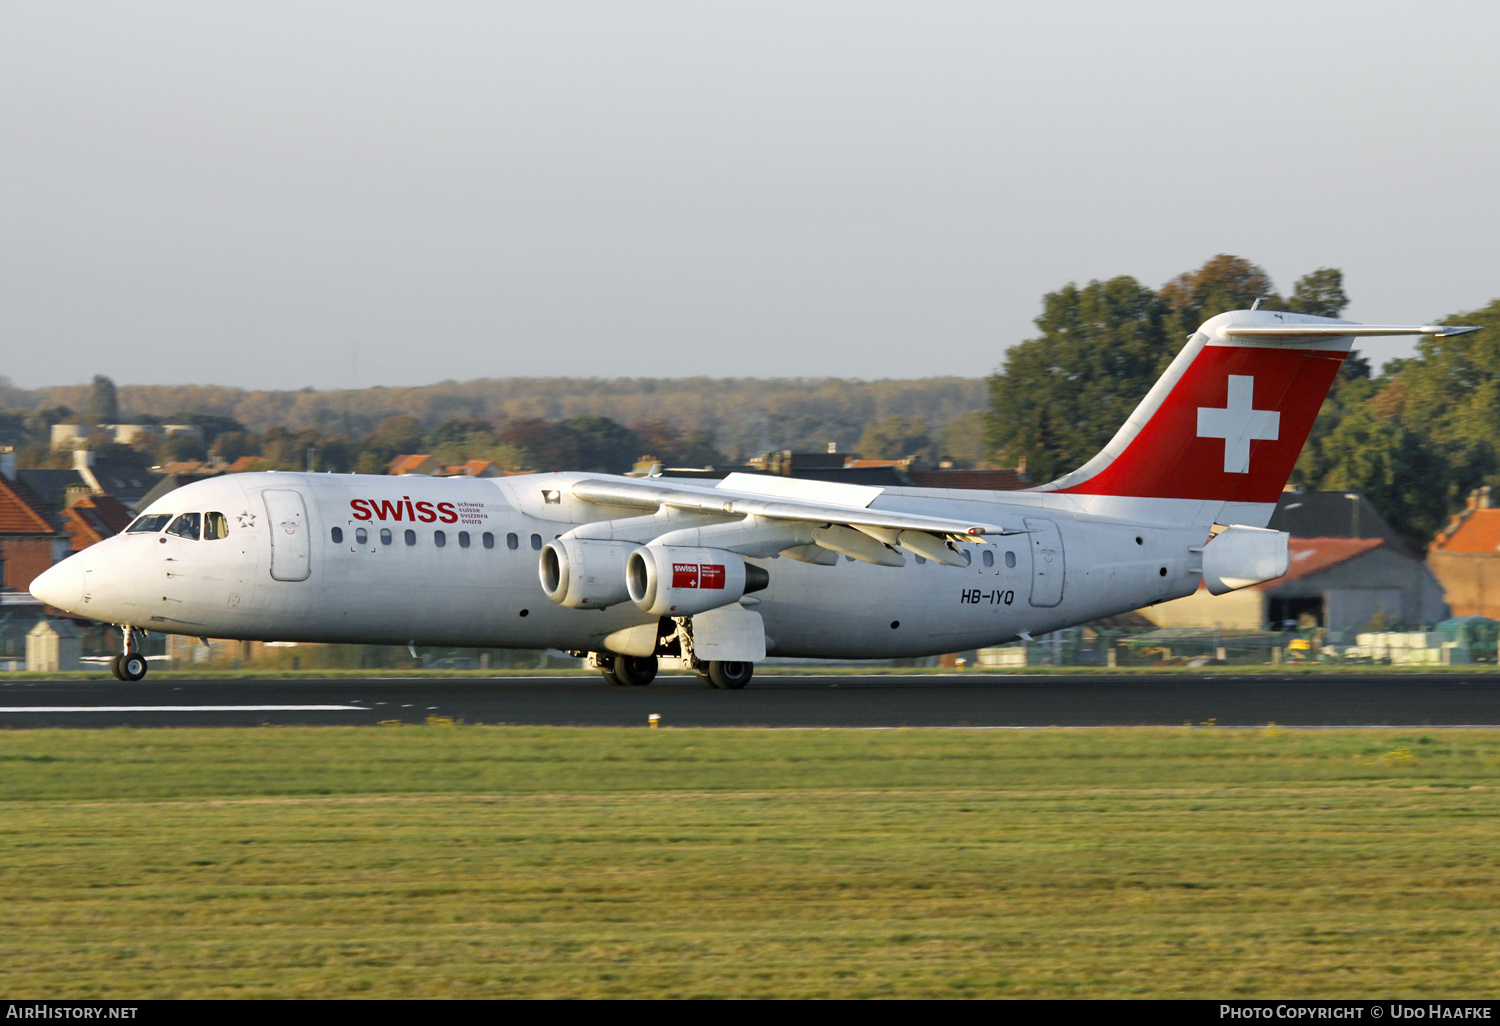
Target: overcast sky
x,y
288,194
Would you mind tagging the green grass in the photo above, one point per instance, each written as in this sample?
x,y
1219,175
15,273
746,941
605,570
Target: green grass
x,y
471,861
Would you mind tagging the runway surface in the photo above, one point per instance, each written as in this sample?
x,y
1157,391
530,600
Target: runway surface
x,y
968,700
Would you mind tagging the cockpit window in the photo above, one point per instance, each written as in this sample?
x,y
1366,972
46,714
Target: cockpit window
x,y
215,526
150,523
186,526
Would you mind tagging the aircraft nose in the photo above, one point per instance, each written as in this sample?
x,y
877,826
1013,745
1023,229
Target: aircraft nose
x,y
62,585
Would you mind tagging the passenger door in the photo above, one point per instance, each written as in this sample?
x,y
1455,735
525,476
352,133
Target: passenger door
x,y
291,544
1047,568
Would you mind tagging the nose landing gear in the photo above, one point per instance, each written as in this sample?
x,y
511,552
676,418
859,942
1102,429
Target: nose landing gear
x,y
130,664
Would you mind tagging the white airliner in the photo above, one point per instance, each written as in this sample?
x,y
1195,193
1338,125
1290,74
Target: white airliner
x,y
637,572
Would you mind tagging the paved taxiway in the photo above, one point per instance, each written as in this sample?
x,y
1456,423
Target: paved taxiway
x,y
970,700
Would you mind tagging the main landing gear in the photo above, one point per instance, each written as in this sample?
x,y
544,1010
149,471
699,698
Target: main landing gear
x,y
625,671
727,674
674,640
129,664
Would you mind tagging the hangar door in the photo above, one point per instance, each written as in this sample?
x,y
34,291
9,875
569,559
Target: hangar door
x,y
1047,570
291,546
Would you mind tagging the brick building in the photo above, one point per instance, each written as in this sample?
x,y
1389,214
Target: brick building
x,y
1466,558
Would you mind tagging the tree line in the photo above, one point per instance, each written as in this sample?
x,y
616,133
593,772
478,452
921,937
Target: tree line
x,y
744,415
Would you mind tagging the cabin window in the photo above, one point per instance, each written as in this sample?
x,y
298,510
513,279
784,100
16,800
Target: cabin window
x,y
463,539
186,526
337,534
411,537
489,540
150,523
361,535
385,536
439,539
215,526
536,542
512,542
968,557
988,557
1010,559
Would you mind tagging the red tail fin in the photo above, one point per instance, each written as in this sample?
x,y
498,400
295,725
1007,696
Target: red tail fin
x,y
1228,419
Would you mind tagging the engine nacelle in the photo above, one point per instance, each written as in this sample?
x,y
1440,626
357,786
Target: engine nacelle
x,y
1240,556
584,574
670,580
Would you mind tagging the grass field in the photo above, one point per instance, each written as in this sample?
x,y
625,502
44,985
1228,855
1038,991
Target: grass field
x,y
469,861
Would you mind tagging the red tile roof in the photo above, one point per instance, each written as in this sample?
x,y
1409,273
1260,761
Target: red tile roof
x,y
22,511
473,468
412,464
108,510
1479,531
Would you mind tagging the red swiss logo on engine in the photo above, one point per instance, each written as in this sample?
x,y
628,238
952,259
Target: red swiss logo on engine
x,y
698,575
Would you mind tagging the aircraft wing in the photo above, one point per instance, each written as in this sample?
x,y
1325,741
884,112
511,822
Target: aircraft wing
x,y
653,493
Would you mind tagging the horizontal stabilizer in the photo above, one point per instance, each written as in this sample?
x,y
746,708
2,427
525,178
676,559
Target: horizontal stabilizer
x,y
1296,331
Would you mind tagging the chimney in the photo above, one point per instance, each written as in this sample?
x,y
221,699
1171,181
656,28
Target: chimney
x,y
8,462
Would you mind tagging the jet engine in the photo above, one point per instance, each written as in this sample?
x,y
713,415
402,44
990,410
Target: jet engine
x,y
584,574
670,580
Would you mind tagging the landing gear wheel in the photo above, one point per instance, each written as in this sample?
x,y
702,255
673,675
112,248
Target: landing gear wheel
x,y
114,667
706,680
729,674
608,673
635,670
133,666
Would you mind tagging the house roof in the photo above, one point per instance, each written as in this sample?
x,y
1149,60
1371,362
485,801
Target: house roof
x,y
186,468
473,468
1332,515
418,463
52,485
245,464
122,478
856,464
86,527
168,483
22,510
1478,530
111,514
1314,555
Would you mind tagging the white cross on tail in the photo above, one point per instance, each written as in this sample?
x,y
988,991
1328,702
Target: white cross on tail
x,y
1238,423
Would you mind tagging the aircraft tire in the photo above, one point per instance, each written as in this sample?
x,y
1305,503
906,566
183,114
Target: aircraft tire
x,y
703,676
635,670
114,667
730,675
609,675
133,666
